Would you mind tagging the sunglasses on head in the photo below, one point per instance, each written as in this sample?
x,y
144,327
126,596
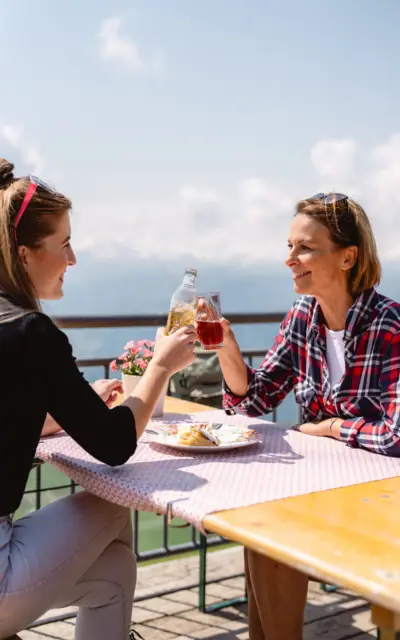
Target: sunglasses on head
x,y
34,183
333,198
330,198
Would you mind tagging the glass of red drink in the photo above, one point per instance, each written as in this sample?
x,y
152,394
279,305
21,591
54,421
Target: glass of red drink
x,y
208,321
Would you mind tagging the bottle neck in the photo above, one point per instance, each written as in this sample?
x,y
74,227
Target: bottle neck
x,y
189,280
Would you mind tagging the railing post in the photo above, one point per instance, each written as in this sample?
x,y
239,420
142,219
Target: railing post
x,y
38,486
202,572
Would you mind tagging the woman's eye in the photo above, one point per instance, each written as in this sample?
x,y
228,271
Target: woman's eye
x,y
290,246
304,247
66,246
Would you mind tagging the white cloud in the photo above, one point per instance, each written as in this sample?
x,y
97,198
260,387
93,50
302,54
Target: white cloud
x,y
389,152
193,195
334,161
374,182
334,158
263,202
14,136
248,222
382,194
115,46
385,174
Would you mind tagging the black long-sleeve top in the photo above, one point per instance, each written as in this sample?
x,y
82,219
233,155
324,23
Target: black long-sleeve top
x,y
39,375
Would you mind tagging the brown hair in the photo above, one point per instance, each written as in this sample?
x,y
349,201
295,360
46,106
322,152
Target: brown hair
x,y
348,225
38,221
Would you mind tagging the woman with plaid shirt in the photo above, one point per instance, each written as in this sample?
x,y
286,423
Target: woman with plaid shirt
x,y
338,348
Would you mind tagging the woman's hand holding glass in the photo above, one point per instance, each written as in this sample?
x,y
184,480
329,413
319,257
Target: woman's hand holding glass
x,y
176,351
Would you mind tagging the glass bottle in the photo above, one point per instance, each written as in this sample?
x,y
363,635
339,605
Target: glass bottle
x,y
183,305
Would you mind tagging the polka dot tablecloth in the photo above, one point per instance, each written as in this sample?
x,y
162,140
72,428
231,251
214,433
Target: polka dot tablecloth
x,y
191,485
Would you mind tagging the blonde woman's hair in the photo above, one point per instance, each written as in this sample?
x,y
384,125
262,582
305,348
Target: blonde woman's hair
x,y
38,221
348,225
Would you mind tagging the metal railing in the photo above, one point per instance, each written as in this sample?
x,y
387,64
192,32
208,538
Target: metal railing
x,y
248,354
155,320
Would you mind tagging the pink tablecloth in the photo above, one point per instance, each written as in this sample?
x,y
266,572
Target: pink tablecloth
x,y
191,485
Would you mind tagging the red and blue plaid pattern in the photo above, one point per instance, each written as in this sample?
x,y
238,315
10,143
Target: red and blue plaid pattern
x,y
367,397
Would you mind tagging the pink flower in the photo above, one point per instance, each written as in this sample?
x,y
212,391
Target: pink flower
x,y
136,357
134,350
145,343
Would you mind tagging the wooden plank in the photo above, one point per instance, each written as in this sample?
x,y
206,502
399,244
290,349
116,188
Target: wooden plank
x,y
176,405
348,536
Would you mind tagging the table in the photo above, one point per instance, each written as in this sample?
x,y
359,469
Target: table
x,y
347,536
330,543
361,553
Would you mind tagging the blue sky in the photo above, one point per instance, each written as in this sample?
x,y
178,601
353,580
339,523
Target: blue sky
x,y
183,127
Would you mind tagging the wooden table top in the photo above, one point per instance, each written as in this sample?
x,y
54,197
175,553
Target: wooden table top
x,y
176,405
348,536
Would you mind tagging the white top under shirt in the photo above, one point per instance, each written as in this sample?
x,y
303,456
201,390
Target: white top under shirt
x,y
335,355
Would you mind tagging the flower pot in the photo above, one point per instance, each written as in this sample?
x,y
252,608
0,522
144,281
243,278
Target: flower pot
x,y
159,408
129,384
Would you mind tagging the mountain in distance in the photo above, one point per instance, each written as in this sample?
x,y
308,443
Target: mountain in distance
x,y
132,286
145,286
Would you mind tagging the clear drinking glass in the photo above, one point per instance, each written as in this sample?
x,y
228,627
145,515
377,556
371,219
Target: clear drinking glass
x,y
208,321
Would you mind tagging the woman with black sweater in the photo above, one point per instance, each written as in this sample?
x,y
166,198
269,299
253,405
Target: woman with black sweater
x,y
78,550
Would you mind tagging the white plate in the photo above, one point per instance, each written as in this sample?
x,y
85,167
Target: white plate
x,y
226,432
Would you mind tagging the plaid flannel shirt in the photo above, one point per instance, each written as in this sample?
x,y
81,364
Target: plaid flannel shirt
x,y
367,398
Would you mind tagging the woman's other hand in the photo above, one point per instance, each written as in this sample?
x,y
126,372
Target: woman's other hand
x,y
50,427
329,427
108,390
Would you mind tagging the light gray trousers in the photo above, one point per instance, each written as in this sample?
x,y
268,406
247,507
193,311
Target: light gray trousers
x,y
75,551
